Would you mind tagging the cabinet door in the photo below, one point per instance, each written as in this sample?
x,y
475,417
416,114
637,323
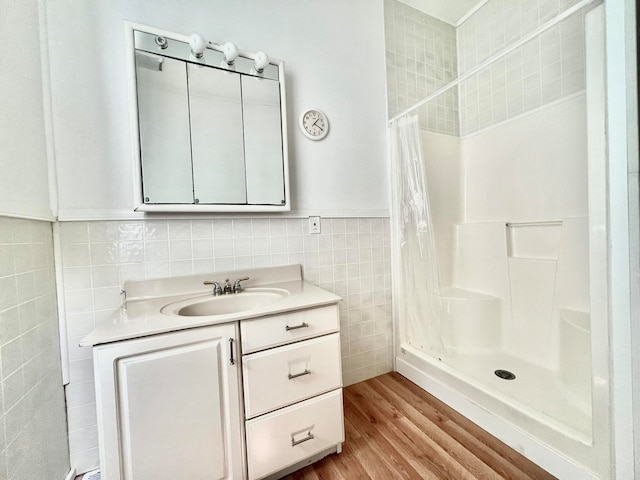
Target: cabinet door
x,y
163,116
216,135
169,407
263,141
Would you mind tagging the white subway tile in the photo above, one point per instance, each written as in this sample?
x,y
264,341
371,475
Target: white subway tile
x,y
104,276
77,278
201,229
179,230
242,246
76,254
13,389
222,228
180,249
156,251
203,248
103,232
260,227
130,232
155,230
82,416
181,267
101,254
131,271
74,232
11,357
223,247
9,325
242,227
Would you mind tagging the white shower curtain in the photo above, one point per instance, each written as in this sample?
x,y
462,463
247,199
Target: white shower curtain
x,y
419,303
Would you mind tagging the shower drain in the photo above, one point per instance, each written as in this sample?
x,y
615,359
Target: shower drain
x,y
505,374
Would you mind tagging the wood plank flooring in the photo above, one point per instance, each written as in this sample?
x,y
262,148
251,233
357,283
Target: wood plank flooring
x,y
395,430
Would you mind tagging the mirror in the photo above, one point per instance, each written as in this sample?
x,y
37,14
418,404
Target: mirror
x,y
208,136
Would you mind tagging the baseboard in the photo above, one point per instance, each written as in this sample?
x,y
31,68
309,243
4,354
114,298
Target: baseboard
x,y
71,475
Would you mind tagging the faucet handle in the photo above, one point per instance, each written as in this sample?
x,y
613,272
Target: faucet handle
x,y
237,287
217,288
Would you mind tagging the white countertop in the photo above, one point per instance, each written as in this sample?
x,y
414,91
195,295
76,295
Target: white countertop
x,y
142,316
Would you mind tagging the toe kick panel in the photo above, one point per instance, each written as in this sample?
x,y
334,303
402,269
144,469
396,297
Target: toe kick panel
x,y
291,373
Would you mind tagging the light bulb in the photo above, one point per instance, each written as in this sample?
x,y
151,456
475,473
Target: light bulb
x,y
262,60
230,53
198,45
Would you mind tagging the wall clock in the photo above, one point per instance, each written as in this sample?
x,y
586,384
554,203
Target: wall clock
x,y
314,124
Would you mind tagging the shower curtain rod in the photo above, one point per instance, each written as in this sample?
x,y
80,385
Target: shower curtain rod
x,y
554,21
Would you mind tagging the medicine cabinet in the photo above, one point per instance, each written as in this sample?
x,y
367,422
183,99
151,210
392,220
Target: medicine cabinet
x,y
206,136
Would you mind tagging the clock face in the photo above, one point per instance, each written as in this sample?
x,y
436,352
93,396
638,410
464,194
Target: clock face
x,y
314,124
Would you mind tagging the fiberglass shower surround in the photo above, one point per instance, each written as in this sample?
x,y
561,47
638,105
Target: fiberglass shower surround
x,y
492,237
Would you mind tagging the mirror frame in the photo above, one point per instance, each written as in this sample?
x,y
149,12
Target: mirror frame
x,y
138,199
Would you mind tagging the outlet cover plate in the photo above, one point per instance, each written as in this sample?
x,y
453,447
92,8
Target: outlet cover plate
x,y
314,225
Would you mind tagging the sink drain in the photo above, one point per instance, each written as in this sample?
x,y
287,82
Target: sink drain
x,y
505,374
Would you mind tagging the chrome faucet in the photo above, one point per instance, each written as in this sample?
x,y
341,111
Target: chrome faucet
x,y
226,289
217,289
237,286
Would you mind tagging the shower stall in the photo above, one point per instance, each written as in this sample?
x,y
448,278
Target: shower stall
x,y
499,219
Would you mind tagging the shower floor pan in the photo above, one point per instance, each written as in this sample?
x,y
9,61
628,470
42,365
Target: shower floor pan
x,y
536,392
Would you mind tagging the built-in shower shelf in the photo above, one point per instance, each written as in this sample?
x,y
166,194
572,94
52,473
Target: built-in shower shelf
x,y
465,294
533,240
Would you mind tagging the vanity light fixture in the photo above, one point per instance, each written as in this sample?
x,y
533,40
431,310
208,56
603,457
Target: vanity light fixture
x,y
261,61
231,52
198,45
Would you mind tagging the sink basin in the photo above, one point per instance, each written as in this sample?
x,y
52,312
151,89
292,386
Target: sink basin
x,y
209,305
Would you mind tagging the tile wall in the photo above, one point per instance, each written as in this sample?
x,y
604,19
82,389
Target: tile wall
x,y
33,430
546,69
424,54
500,23
421,58
351,257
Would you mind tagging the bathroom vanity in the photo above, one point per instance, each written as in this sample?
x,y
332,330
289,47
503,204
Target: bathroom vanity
x,y
240,385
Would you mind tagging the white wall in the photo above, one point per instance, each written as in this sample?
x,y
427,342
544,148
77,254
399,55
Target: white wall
x,y
443,169
334,55
531,169
24,180
33,431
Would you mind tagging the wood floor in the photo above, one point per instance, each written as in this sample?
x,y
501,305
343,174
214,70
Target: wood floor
x,y
396,430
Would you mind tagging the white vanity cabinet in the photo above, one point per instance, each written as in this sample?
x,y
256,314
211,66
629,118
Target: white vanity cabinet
x,y
292,390
191,385
169,406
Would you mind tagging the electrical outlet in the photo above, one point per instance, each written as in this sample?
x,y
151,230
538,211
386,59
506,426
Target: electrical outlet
x,y
314,224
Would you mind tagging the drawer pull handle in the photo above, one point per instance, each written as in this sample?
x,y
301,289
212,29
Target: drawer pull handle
x,y
302,440
306,372
302,325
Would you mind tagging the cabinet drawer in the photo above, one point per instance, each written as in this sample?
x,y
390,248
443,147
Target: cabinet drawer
x,y
288,436
285,375
281,329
